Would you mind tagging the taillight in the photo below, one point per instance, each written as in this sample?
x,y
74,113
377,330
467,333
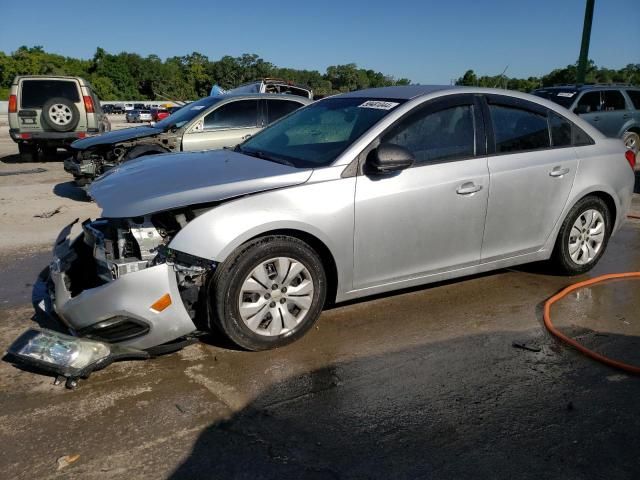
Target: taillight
x,y
13,104
88,104
631,158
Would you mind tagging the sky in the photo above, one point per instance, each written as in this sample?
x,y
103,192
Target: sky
x,y
427,41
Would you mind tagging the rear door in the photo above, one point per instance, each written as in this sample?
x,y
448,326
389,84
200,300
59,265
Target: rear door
x,y
33,93
531,168
614,113
278,108
224,126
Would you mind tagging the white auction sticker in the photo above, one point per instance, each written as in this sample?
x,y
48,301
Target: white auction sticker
x,y
566,94
380,105
197,107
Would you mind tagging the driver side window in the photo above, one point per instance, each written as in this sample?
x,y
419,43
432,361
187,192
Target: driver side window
x,y
433,137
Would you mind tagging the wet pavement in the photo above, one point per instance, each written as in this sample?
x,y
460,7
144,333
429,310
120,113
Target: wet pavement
x,y
421,384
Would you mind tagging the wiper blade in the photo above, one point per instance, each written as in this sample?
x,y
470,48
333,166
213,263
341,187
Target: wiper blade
x,y
261,155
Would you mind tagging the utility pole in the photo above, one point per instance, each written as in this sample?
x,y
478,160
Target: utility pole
x,y
586,38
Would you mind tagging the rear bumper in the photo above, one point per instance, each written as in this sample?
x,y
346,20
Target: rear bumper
x,y
51,137
129,296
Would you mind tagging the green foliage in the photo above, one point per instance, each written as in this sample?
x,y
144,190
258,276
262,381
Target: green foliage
x,y
629,74
129,76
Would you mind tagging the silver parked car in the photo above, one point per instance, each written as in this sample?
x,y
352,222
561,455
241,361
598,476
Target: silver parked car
x,y
209,123
354,195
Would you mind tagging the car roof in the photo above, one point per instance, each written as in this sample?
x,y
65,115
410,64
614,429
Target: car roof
x,y
597,86
49,77
250,96
404,92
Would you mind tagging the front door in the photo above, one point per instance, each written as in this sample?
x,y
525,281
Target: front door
x,y
430,217
225,126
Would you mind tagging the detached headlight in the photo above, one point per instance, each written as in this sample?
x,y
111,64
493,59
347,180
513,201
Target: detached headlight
x,y
67,356
59,353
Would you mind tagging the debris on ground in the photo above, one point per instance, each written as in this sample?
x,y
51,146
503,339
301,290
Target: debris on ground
x,y
524,346
67,460
50,213
22,172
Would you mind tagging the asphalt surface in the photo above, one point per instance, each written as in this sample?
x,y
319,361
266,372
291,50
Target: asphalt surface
x,y
421,384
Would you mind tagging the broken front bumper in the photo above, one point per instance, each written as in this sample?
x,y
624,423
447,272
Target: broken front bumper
x,y
123,311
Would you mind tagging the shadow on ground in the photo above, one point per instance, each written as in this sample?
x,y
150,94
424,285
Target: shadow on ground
x,y
15,158
421,413
72,191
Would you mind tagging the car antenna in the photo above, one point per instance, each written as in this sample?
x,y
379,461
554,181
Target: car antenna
x,y
500,77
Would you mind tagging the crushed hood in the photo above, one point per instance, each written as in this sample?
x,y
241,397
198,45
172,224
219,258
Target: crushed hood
x,y
117,136
162,182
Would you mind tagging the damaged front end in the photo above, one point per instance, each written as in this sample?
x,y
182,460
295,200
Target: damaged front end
x,y
90,163
121,292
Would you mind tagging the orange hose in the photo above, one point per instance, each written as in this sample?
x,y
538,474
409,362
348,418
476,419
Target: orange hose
x,y
570,341
581,348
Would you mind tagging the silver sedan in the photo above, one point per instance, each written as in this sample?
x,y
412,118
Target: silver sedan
x,y
351,196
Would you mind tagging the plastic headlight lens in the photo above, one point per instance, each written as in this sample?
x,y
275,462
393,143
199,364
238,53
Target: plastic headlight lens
x,y
63,353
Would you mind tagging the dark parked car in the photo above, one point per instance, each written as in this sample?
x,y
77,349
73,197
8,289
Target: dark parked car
x,y
612,109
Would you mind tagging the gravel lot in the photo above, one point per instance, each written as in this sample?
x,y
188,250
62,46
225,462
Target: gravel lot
x,y
424,383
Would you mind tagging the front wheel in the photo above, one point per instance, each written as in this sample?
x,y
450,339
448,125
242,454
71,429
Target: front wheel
x,y
583,236
268,293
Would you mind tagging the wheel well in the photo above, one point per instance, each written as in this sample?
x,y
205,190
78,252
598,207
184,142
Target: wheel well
x,y
634,129
608,200
326,257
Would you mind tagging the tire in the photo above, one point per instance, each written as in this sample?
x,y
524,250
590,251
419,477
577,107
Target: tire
x,y
60,115
142,150
262,330
590,246
49,153
631,141
28,152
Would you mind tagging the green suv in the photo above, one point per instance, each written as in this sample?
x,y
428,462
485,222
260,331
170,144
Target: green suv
x,y
50,112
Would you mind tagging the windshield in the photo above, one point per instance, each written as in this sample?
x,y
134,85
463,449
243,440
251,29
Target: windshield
x,y
314,136
562,97
187,113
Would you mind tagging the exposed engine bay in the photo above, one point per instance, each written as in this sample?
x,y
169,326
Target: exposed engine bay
x,y
85,165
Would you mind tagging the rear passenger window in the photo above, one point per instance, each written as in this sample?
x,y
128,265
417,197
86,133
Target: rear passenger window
x,y
612,100
634,95
589,102
437,136
35,93
279,108
560,130
243,113
518,130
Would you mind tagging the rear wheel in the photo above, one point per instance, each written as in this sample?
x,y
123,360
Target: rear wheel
x,y
268,293
583,236
28,152
632,141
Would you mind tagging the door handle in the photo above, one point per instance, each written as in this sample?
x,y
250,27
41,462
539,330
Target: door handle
x,y
468,188
596,119
558,172
626,116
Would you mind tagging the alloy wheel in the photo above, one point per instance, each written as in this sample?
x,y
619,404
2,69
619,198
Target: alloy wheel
x,y
276,296
586,237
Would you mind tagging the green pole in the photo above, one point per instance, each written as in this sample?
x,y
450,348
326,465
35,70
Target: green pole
x,y
586,38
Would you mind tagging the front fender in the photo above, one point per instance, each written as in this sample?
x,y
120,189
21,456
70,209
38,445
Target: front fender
x,y
324,210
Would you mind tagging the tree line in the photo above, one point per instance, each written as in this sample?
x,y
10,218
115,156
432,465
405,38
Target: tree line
x,y
130,76
567,75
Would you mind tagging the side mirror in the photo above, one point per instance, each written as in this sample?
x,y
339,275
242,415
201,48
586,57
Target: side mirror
x,y
388,158
198,127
